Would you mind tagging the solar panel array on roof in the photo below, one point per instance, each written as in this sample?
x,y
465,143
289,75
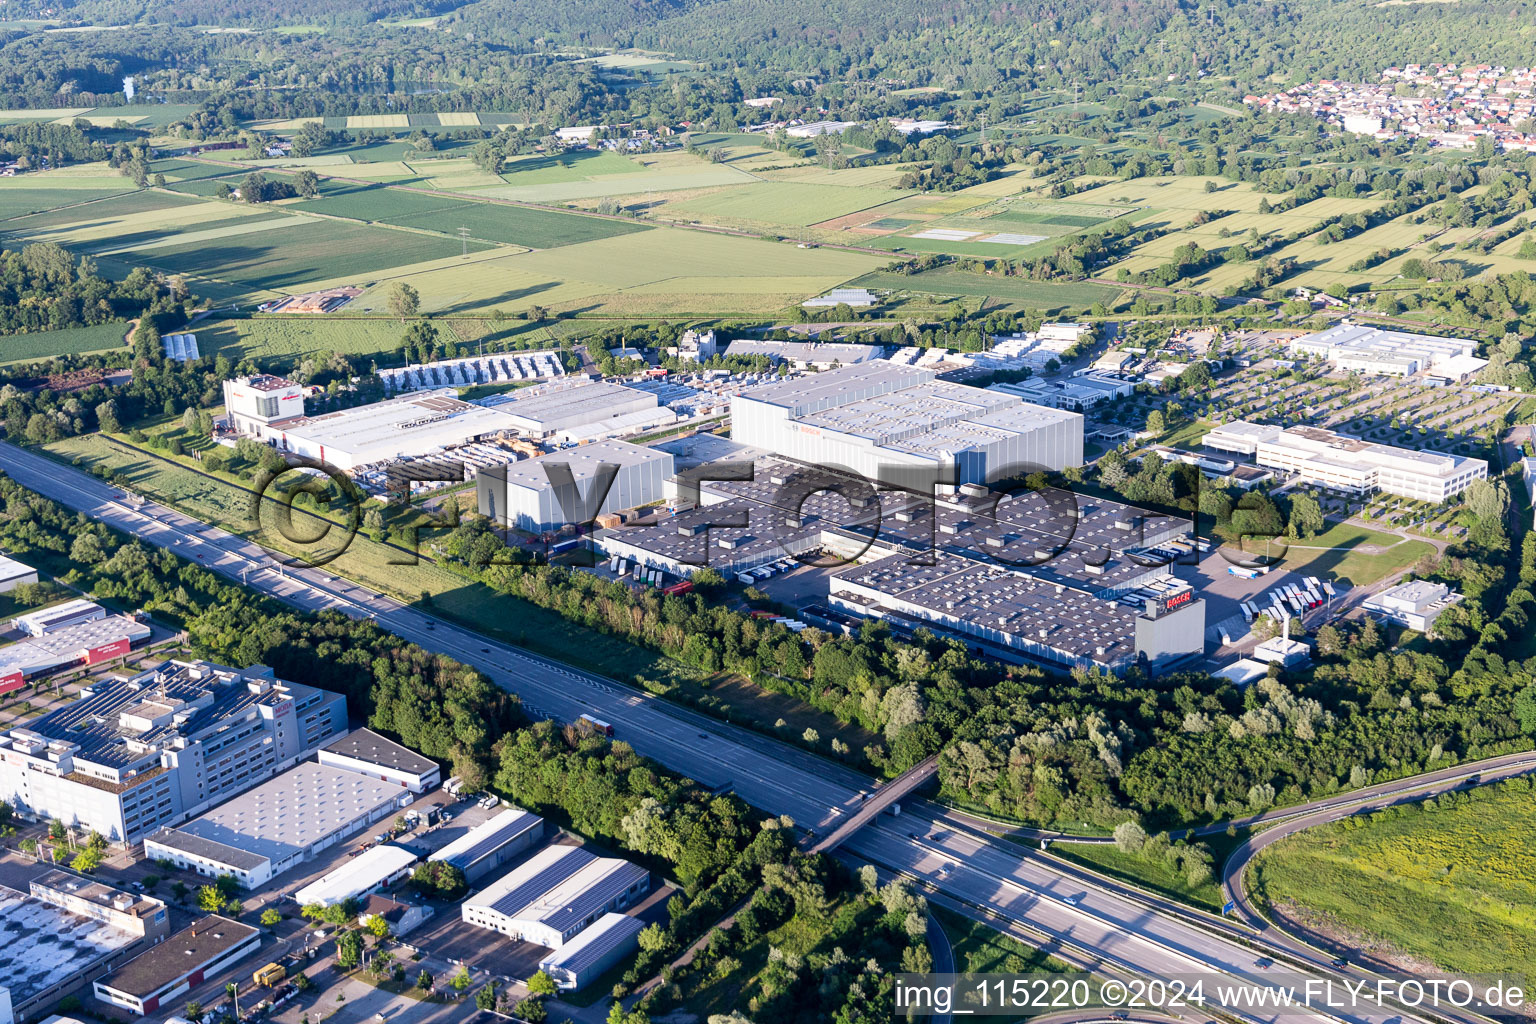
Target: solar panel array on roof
x,y
488,837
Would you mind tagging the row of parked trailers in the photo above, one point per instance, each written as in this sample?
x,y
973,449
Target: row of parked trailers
x,y
1290,599
762,572
621,567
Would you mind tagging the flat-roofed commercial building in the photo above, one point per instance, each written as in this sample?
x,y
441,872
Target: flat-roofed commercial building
x,y
584,410
595,948
538,495
1342,463
85,643
141,915
49,950
1359,348
1079,394
555,894
134,755
879,420
1416,604
493,843
13,574
367,753
368,872
56,617
263,832
157,977
412,425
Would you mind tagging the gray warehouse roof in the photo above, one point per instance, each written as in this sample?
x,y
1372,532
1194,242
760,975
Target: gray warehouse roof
x,y
583,461
593,943
367,745
292,812
488,837
559,405
208,849
187,950
42,945
531,879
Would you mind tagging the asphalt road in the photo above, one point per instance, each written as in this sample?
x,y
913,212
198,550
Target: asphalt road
x,y
942,850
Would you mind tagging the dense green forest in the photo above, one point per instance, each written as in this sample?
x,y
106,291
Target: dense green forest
x,y
851,52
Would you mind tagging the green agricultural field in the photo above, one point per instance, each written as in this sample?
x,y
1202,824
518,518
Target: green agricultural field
x,y
284,259
574,165
1043,295
663,272
519,225
788,203
18,202
16,348
185,169
104,212
287,337
495,222
1408,880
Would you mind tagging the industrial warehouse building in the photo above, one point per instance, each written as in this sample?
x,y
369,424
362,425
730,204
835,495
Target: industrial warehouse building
x,y
1354,348
493,843
412,425
537,494
554,894
1416,604
64,934
1342,463
500,368
47,620
594,949
155,978
369,871
13,574
581,410
133,755
367,753
877,419
86,643
820,355
263,832
1067,581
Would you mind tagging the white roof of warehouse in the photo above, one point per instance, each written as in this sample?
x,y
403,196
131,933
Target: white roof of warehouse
x,y
356,876
10,569
583,461
292,812
415,423
558,406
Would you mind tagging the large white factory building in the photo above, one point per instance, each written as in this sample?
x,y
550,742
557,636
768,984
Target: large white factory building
x,y
573,486
875,418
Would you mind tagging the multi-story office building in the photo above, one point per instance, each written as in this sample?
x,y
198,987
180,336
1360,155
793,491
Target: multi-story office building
x,y
1342,463
135,754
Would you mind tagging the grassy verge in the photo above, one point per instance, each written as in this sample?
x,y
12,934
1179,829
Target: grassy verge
x,y
980,949
1156,873
1451,882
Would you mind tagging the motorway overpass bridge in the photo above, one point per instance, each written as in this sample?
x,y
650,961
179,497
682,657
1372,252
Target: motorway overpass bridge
x,y
879,800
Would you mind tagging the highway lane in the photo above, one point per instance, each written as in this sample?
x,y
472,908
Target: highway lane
x,y
773,776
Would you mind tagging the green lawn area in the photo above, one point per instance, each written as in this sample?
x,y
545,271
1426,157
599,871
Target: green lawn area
x,y
1355,553
1454,885
15,348
226,501
1155,873
575,165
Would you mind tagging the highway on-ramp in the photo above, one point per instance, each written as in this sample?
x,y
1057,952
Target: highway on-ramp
x,y
949,855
